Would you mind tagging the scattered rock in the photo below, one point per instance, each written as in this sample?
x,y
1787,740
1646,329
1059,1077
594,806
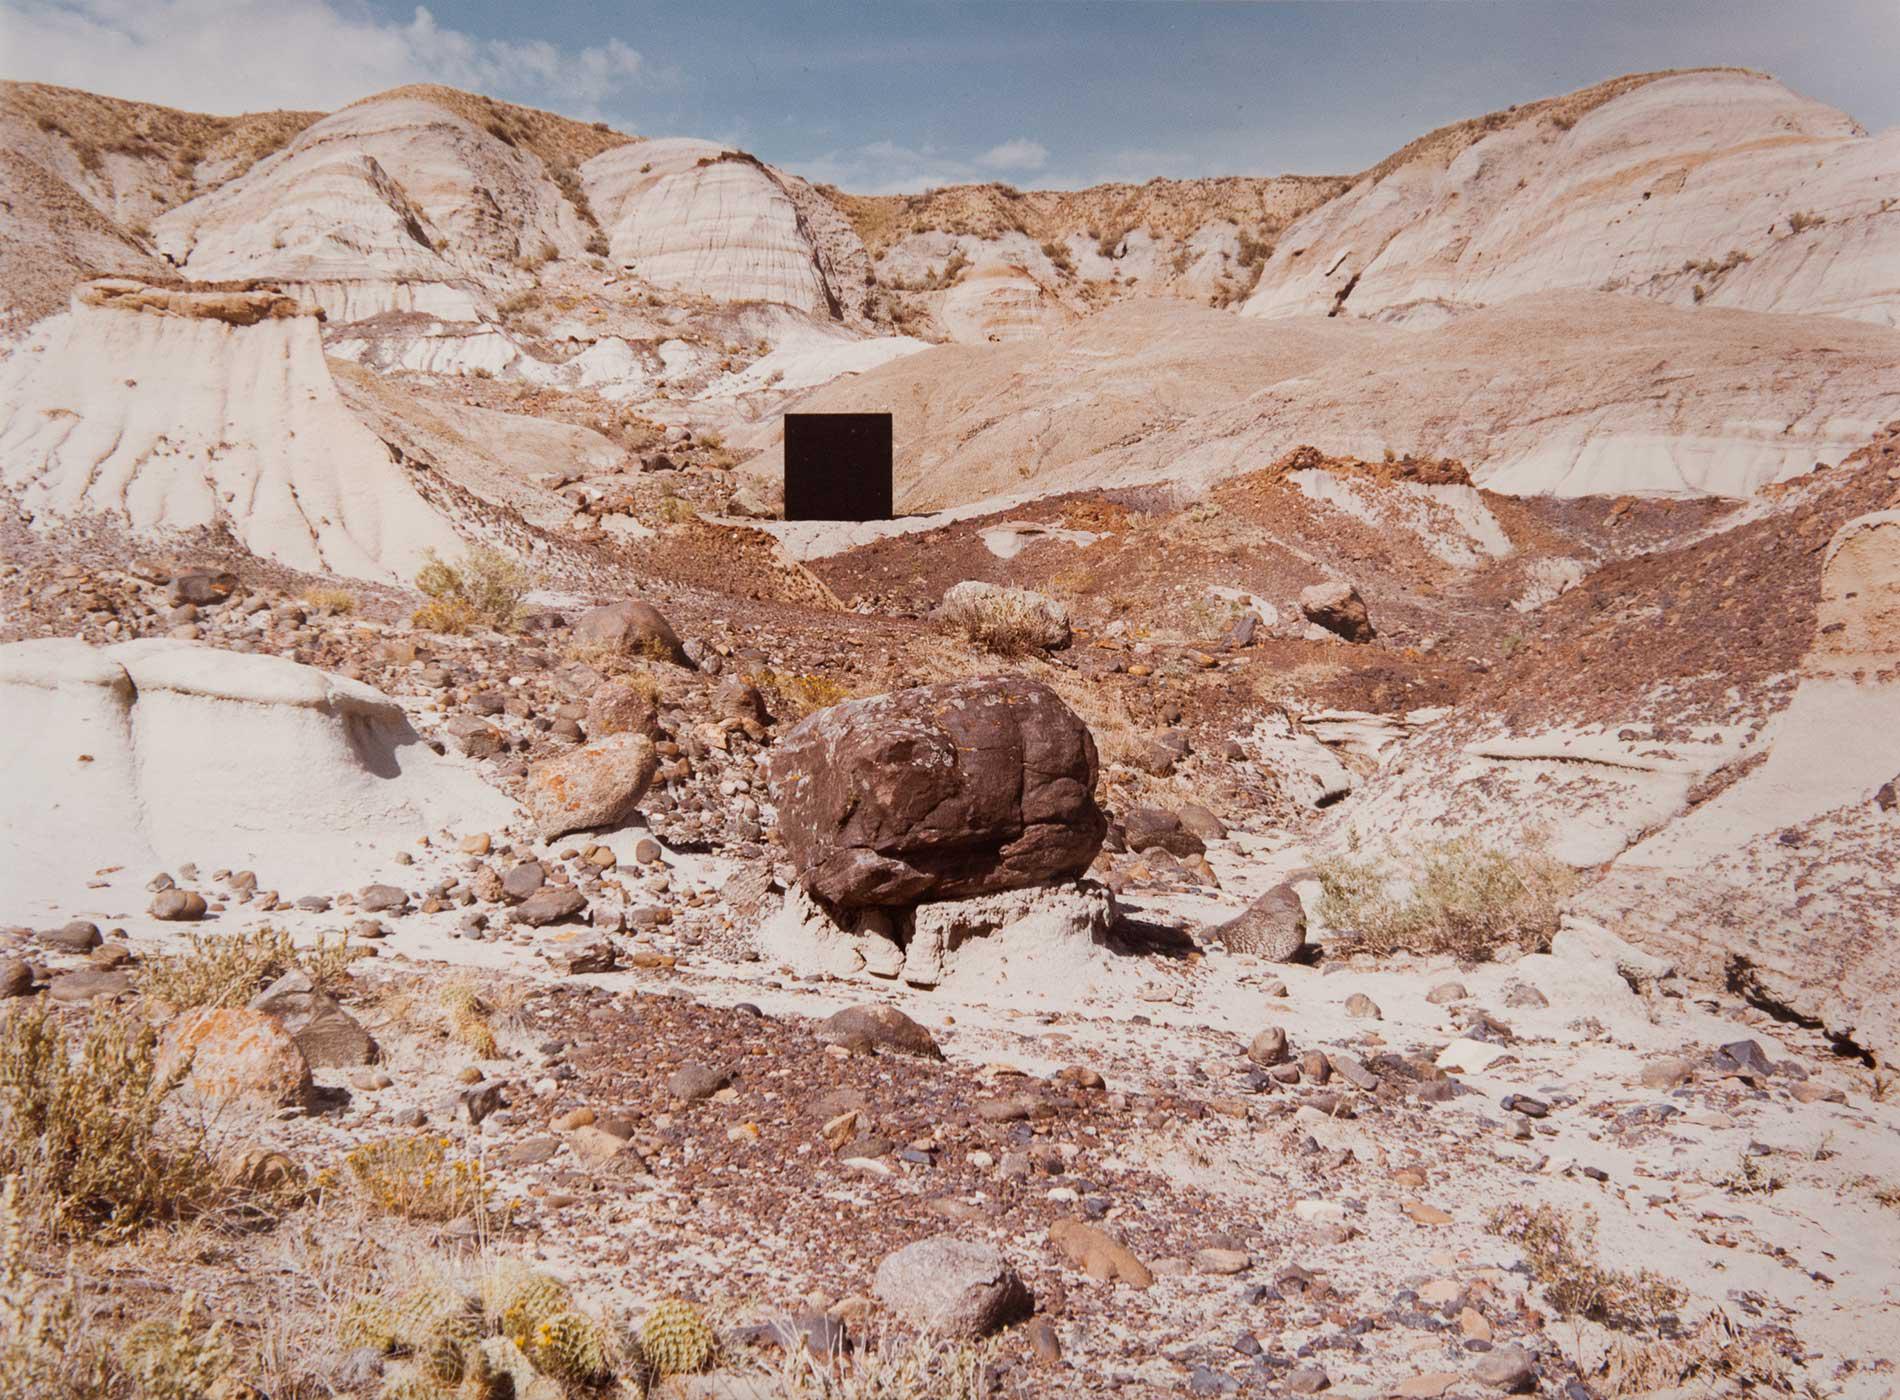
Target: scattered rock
x,y
597,786
1040,621
554,905
868,1028
1269,1047
695,1082
84,986
1272,927
1511,1369
621,707
179,906
1364,1007
1145,828
631,628
1099,1254
236,1055
1338,608
328,1036
952,1287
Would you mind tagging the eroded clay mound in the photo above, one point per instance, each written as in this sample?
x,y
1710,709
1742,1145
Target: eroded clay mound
x,y
394,188
1718,188
154,753
693,216
177,410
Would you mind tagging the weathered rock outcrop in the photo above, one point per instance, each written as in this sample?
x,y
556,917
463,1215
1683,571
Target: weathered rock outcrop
x,y
1782,882
963,788
153,753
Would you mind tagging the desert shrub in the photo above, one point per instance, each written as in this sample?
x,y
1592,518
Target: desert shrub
x,y
954,268
675,510
1804,219
79,1127
1058,256
796,696
890,1368
229,971
416,1178
1109,244
1253,251
1464,899
1561,1256
333,600
46,1349
1005,622
485,590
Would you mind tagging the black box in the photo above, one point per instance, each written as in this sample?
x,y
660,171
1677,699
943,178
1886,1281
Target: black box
x,y
837,466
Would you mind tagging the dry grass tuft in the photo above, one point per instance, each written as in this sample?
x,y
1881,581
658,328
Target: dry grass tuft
x,y
468,1020
794,696
46,1348
1464,899
1561,1259
484,590
890,1368
229,971
1002,621
1716,1352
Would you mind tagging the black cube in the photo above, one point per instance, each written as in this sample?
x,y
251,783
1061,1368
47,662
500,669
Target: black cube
x,y
837,466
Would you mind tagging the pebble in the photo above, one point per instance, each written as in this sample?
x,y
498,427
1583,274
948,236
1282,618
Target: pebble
x,y
1364,1007
179,905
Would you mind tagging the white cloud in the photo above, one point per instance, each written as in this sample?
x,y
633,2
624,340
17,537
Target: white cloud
x,y
1019,154
252,55
885,167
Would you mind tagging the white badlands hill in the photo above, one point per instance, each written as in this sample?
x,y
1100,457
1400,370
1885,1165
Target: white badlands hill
x,y
1717,187
174,410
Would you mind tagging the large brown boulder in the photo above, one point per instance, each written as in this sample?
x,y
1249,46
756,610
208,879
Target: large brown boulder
x,y
941,792
598,785
632,628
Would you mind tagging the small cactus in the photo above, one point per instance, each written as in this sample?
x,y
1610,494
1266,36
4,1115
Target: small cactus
x,y
676,1339
477,1380
434,1318
521,1299
368,1322
570,1346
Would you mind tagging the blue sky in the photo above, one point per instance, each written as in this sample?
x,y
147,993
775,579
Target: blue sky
x,y
899,95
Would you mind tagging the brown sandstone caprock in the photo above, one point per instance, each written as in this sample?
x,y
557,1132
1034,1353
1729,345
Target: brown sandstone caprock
x,y
1099,1254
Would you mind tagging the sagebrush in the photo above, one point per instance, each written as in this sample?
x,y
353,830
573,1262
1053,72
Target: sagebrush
x,y
1456,897
79,1126
230,970
485,589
